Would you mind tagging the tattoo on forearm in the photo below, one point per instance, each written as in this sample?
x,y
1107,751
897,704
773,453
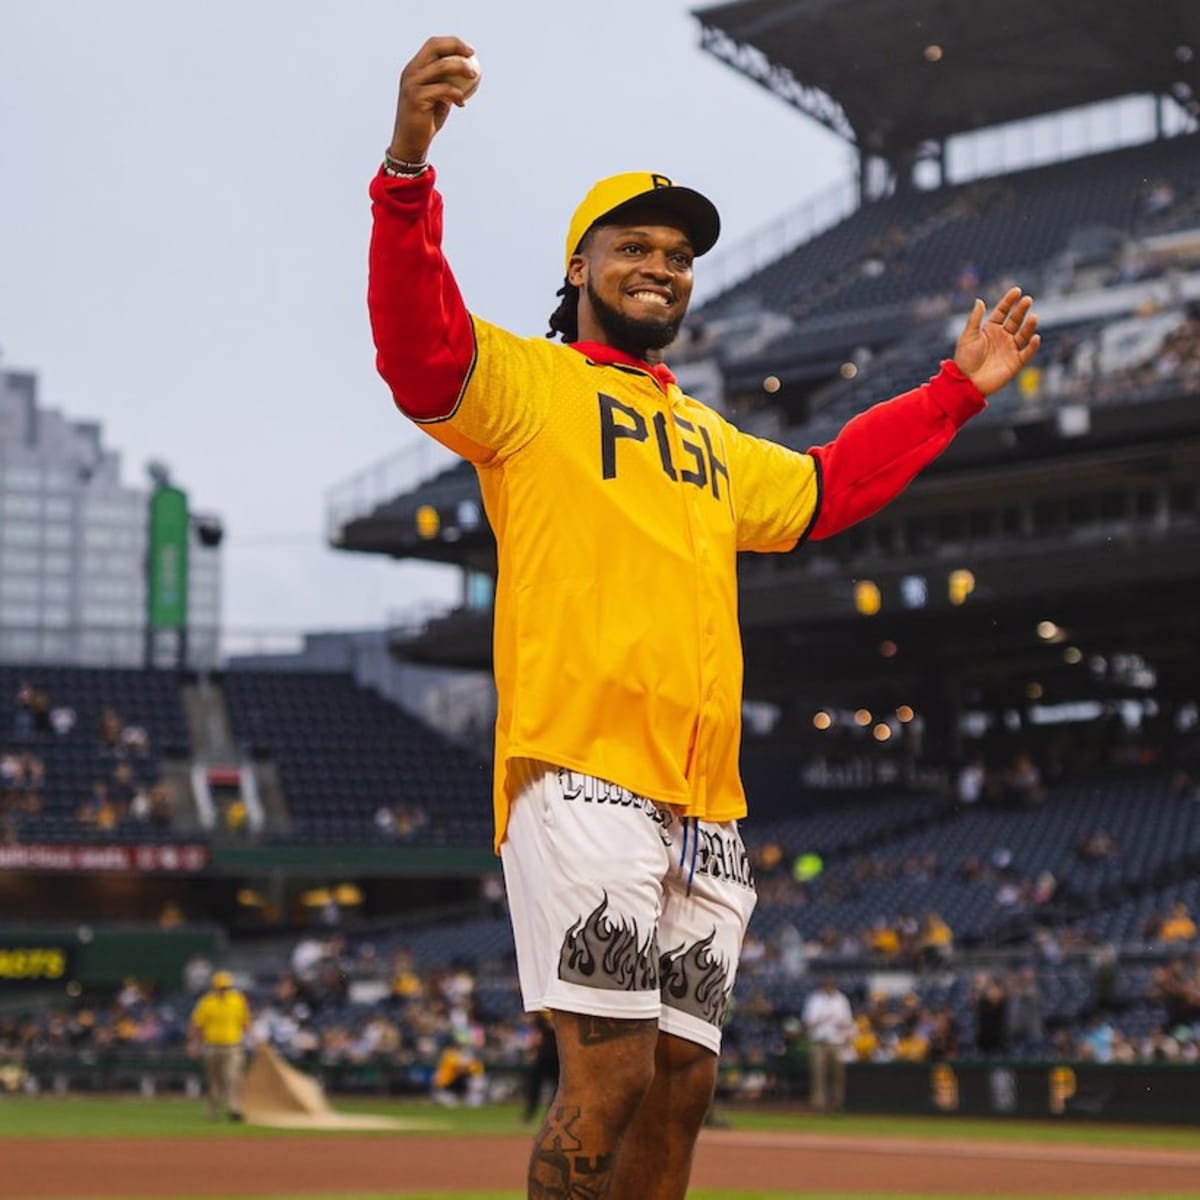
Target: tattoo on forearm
x,y
557,1171
595,1030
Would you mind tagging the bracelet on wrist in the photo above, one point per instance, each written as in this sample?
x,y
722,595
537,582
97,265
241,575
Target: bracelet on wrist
x,y
399,168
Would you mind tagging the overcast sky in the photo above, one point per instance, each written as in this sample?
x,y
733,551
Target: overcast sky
x,y
184,225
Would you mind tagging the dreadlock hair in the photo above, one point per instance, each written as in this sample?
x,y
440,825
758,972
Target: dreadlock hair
x,y
564,320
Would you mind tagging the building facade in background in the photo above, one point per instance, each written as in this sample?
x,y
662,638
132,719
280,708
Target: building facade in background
x,y
73,543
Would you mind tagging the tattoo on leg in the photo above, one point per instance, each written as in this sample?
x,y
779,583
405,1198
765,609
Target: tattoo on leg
x,y
595,1030
556,1172
558,1132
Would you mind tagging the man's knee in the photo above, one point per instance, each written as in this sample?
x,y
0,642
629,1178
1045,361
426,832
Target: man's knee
x,y
688,1073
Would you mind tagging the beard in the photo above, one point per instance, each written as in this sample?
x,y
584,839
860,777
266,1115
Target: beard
x,y
633,335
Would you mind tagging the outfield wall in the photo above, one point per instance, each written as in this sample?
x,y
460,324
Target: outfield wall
x,y
1158,1092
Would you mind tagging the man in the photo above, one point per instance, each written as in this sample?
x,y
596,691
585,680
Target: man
x,y
830,1026
218,1026
619,505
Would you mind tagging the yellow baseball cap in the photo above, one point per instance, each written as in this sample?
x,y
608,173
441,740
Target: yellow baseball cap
x,y
697,213
222,979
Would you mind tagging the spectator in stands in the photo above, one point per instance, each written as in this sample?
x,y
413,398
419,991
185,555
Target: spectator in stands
x,y
829,1022
1022,782
62,719
966,284
1024,1016
110,729
97,812
1155,196
865,1043
629,716
237,818
23,710
140,809
1179,926
121,787
883,938
41,714
991,1015
912,1042
935,942
1097,1043
1097,846
1177,990
945,1038
162,806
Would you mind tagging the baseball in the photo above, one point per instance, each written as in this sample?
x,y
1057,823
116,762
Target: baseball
x,y
467,83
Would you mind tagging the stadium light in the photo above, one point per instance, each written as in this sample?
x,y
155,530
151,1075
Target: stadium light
x,y
1048,631
960,585
771,384
882,732
867,599
904,714
1072,655
822,720
863,717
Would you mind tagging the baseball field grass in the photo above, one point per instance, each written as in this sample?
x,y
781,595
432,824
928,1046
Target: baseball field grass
x,y
125,1119
127,1116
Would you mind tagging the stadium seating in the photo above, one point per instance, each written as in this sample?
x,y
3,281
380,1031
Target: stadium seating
x,y
75,760
344,753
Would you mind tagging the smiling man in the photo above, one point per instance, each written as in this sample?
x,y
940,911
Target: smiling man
x,y
619,506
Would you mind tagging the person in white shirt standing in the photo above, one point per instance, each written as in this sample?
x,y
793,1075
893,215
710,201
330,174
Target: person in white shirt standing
x,y
830,1025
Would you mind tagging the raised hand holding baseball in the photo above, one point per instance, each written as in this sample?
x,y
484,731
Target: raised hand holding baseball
x,y
443,73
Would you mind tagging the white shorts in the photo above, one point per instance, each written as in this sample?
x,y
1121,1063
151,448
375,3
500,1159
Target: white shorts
x,y
620,907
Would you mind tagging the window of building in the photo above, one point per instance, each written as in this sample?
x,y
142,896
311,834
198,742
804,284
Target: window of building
x,y
56,590
28,479
21,533
19,587
19,561
13,612
21,504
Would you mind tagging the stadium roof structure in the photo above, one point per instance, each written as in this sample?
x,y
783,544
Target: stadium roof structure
x,y
891,75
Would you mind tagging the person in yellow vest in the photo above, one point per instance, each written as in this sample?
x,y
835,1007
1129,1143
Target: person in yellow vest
x,y
619,505
218,1028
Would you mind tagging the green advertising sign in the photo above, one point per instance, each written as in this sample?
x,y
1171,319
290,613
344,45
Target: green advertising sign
x,y
168,558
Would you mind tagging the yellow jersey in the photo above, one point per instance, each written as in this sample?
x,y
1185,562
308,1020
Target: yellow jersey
x,y
222,1018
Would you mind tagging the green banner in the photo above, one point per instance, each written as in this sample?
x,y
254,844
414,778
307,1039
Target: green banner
x,y
168,558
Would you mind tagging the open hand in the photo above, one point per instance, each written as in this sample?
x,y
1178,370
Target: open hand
x,y
991,352
426,97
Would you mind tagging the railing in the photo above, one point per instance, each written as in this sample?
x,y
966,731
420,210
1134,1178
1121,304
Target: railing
x,y
383,480
720,272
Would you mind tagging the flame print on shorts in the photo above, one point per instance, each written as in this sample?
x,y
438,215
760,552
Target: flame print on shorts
x,y
606,952
695,981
